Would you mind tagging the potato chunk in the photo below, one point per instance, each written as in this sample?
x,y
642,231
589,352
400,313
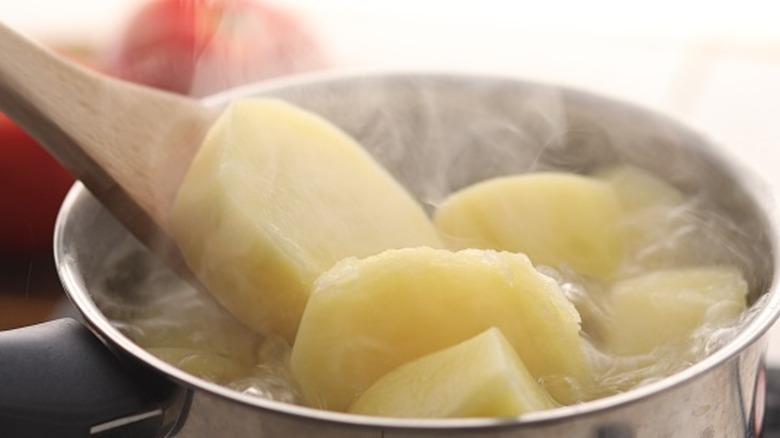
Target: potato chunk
x,y
276,196
554,218
369,316
663,308
657,221
639,190
479,377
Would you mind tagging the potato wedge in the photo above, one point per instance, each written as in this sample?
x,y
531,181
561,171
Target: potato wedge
x,y
479,377
369,316
277,195
557,219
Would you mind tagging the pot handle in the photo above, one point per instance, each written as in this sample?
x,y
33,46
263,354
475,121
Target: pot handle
x,y
58,379
771,426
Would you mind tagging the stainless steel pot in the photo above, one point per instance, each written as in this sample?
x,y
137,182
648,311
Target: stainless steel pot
x,y
438,133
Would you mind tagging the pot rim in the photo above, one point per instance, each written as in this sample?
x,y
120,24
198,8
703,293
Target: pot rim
x,y
76,291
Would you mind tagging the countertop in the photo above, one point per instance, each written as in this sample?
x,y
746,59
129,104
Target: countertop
x,y
713,65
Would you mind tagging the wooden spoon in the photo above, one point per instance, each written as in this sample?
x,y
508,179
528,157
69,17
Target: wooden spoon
x,y
130,145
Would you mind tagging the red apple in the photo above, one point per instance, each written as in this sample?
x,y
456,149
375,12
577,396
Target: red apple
x,y
32,186
199,47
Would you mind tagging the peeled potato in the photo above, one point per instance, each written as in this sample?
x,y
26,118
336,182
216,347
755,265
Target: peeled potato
x,y
369,316
554,218
663,308
639,190
479,377
656,222
276,196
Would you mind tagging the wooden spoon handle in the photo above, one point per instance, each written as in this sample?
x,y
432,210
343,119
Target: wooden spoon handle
x,y
130,145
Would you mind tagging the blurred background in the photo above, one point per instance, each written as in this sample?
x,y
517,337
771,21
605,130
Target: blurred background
x,y
713,64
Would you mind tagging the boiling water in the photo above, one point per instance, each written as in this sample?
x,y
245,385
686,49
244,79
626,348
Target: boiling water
x,y
160,312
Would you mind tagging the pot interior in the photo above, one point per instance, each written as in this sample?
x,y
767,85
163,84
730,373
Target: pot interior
x,y
437,134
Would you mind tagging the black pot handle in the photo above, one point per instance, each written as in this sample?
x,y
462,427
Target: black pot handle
x,y
57,379
771,426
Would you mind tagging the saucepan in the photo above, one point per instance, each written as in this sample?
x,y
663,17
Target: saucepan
x,y
436,133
